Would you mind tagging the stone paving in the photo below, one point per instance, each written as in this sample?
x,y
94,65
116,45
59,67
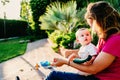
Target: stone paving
x,y
24,66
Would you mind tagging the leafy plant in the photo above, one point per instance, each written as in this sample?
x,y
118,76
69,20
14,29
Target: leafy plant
x,y
68,40
62,40
55,38
64,19
62,16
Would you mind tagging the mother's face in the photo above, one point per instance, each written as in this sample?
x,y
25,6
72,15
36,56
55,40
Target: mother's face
x,y
96,27
90,22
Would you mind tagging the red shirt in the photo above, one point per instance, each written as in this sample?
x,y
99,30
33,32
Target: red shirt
x,y
111,46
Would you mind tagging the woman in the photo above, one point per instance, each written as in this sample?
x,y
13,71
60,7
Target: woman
x,y
105,21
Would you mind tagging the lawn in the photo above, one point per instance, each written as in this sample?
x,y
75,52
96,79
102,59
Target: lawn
x,y
11,48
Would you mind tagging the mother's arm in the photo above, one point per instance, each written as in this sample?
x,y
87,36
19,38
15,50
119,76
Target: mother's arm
x,y
102,61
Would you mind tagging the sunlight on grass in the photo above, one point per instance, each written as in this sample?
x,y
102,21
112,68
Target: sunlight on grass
x,y
11,48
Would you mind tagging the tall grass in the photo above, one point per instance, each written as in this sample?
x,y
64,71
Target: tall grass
x,y
11,48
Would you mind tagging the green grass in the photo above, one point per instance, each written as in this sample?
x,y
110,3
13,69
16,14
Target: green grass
x,y
11,48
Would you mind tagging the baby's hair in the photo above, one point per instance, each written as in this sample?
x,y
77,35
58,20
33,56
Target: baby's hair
x,y
81,29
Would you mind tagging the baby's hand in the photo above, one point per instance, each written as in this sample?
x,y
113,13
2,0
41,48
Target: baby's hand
x,y
72,56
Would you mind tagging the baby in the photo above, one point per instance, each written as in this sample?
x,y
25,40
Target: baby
x,y
87,49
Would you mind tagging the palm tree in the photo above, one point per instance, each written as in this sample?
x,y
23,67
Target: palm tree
x,y
62,16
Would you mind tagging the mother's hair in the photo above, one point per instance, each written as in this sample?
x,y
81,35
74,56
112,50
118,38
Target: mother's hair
x,y
107,17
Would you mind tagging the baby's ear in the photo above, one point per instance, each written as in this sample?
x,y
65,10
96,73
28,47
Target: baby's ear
x,y
77,41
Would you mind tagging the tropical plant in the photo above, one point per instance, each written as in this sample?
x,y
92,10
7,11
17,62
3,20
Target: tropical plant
x,y
64,19
62,16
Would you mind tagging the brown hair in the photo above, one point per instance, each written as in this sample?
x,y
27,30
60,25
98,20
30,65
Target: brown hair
x,y
107,17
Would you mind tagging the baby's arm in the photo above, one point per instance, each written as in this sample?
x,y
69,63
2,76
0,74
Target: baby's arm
x,y
72,56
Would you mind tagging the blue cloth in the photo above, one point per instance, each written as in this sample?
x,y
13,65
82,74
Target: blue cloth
x,y
57,75
45,63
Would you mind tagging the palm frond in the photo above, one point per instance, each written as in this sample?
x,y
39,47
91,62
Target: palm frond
x,y
61,16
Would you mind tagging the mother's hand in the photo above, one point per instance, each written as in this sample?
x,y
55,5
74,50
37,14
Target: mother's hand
x,y
59,62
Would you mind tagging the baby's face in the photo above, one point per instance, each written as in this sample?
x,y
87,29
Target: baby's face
x,y
84,37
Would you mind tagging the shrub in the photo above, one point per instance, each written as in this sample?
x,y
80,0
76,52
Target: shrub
x,y
12,28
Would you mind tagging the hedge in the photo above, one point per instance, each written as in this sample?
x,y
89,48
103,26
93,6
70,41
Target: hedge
x,y
12,28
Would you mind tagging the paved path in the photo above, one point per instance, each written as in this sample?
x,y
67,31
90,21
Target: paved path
x,y
24,66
